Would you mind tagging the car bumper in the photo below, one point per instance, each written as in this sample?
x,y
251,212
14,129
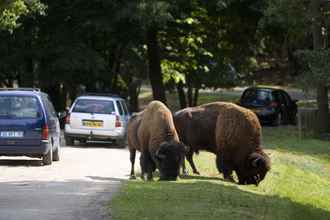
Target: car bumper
x,y
31,151
90,134
266,117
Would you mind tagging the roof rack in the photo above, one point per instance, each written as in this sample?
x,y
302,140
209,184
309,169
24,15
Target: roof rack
x,y
100,94
21,89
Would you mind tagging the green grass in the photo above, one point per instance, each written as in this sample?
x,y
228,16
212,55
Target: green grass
x,y
297,187
204,97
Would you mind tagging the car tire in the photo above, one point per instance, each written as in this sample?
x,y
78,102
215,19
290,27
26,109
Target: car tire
x,y
69,141
56,154
121,143
47,159
82,141
294,120
279,119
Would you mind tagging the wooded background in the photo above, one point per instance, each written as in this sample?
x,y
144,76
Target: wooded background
x,y
67,47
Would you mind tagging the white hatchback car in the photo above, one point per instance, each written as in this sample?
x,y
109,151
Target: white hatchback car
x,y
97,117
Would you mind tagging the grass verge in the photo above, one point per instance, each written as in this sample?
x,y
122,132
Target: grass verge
x,y
297,187
204,97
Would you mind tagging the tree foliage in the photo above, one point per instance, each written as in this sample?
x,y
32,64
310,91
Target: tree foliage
x,y
111,46
12,10
316,68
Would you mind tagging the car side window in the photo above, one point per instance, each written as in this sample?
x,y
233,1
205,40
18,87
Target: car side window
x,y
120,108
282,99
287,98
124,107
49,107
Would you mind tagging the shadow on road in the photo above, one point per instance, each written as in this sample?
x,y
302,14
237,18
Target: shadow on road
x,y
99,144
100,178
20,162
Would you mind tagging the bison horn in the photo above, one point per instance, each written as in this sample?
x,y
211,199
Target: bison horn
x,y
255,162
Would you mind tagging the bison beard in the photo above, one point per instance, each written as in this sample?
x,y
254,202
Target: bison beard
x,y
152,132
229,131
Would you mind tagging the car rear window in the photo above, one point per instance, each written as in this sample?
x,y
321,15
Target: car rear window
x,y
94,106
257,95
19,107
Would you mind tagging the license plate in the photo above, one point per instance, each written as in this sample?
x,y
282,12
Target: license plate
x,y
93,124
11,134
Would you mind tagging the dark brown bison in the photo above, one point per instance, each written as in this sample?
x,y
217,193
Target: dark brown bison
x,y
231,132
152,132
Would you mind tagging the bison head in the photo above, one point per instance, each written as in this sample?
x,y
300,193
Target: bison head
x,y
255,169
169,158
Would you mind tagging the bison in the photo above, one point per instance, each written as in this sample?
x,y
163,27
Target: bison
x,y
231,132
152,132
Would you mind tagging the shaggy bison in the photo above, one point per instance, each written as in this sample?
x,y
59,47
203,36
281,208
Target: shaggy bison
x,y
231,132
152,132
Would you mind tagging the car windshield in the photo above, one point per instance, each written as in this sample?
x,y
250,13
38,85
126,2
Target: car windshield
x,y
19,107
257,96
94,106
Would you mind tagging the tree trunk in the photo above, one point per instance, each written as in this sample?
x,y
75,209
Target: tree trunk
x,y
155,71
114,86
190,91
190,95
133,94
181,94
116,68
196,95
323,108
27,77
322,90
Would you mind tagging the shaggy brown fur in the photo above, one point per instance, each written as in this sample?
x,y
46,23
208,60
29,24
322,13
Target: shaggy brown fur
x,y
231,132
152,132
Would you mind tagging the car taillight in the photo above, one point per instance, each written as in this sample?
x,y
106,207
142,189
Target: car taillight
x,y
67,119
273,104
118,123
45,132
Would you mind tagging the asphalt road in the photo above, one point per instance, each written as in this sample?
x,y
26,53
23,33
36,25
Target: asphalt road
x,y
77,187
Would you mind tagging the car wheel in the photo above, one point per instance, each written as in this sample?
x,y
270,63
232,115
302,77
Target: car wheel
x,y
83,141
69,141
279,119
121,143
294,120
48,158
56,154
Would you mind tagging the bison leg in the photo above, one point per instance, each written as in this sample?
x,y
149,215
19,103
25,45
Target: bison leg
x,y
132,158
184,169
219,163
142,165
191,162
147,165
224,166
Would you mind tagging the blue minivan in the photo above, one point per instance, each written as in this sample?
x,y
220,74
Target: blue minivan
x,y
28,125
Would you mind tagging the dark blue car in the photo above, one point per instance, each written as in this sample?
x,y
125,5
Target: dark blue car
x,y
28,125
271,105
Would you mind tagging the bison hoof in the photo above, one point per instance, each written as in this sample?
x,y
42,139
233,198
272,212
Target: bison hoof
x,y
132,177
196,172
229,179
